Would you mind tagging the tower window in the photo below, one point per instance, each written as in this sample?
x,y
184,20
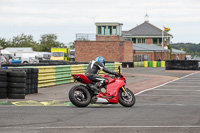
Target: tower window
x,y
109,30
103,30
114,30
99,30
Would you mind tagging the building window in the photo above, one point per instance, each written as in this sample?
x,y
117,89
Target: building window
x,y
160,40
141,40
134,40
109,30
103,30
155,40
114,30
99,30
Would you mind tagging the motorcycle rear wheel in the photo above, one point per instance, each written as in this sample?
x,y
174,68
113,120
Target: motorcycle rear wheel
x,y
124,100
80,96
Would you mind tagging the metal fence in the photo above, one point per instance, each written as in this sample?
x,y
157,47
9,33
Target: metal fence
x,y
85,37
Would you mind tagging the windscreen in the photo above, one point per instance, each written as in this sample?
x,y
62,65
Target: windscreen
x,y
58,54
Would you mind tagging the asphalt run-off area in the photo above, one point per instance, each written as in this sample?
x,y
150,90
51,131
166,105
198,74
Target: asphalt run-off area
x,y
166,101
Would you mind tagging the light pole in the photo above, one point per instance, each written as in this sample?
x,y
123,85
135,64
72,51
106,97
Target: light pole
x,y
0,55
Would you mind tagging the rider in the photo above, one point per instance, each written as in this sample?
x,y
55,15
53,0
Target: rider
x,y
93,70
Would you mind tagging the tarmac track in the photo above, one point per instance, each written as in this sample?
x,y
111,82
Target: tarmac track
x,y
171,108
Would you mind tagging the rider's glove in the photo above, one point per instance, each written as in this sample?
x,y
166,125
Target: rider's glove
x,y
116,74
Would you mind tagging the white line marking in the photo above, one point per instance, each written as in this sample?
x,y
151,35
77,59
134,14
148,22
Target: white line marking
x,y
183,86
186,95
165,83
160,104
85,127
186,82
174,90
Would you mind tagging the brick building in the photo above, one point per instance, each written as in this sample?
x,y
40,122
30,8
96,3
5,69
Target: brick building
x,y
115,45
107,43
153,42
146,33
150,52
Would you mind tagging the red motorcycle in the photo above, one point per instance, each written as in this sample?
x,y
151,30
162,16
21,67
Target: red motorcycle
x,y
115,91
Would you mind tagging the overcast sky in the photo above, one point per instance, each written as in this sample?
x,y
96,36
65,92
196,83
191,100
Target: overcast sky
x,y
65,18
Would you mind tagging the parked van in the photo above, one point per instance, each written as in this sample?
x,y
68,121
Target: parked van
x,y
60,54
29,58
26,58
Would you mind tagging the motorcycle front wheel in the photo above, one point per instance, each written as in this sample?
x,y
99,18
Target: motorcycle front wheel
x,y
80,96
126,99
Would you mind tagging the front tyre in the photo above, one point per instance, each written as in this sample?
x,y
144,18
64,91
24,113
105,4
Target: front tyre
x,y
126,99
80,96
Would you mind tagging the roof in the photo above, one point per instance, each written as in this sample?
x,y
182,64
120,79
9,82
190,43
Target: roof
x,y
108,23
19,49
176,51
145,29
5,51
148,47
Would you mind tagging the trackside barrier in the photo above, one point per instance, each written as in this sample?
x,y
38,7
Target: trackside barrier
x,y
182,65
138,64
162,63
154,63
77,69
150,64
116,65
60,74
145,63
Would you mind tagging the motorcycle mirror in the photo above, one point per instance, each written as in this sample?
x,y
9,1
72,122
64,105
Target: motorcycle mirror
x,y
119,69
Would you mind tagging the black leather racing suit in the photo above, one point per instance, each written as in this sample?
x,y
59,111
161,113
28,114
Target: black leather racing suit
x,y
93,70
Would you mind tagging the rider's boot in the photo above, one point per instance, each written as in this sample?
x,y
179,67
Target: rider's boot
x,y
94,88
102,87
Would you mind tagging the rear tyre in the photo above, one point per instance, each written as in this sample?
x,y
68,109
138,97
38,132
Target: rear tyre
x,y
80,96
126,100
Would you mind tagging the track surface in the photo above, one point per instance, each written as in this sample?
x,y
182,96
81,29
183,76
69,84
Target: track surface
x,y
171,108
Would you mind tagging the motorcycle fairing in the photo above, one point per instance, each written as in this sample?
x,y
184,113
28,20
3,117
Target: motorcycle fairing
x,y
112,91
82,78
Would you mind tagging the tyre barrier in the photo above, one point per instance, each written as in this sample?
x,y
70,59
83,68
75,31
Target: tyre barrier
x,y
182,65
150,64
116,65
18,82
3,84
138,64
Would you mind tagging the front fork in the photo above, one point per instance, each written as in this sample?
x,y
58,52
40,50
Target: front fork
x,y
124,89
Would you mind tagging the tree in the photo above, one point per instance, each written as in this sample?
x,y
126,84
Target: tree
x,y
71,45
3,43
23,41
48,41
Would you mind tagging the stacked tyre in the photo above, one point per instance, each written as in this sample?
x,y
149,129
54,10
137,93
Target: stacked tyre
x,y
16,84
28,80
34,80
3,84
